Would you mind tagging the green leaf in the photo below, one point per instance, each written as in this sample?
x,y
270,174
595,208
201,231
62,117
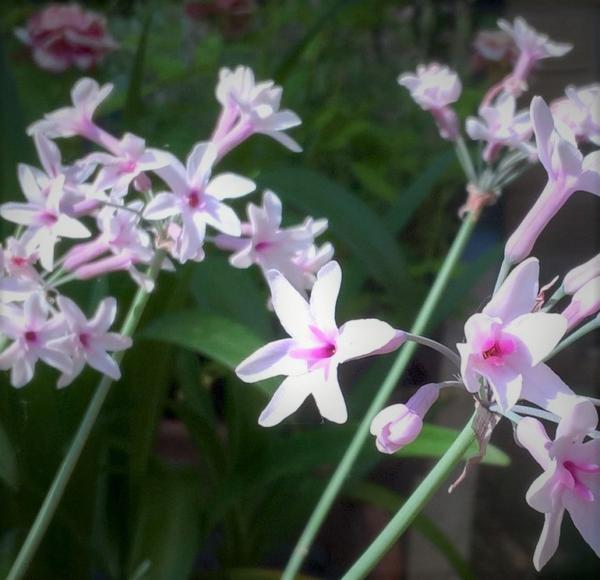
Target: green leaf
x,y
409,201
433,441
388,500
350,219
8,463
216,337
167,536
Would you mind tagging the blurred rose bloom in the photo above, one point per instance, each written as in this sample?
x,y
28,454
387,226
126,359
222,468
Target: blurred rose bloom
x,y
65,35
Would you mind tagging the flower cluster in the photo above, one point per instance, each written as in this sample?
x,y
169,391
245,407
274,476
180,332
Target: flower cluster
x,y
120,209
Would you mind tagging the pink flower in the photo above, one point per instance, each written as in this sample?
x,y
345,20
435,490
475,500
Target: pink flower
x,y
585,303
507,342
249,107
61,36
198,199
501,127
571,478
398,425
495,45
87,341
310,357
567,172
32,333
533,46
46,222
18,277
581,275
580,112
87,95
434,88
131,160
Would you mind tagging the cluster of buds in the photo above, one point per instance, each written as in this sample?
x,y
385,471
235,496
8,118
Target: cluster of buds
x,y
122,208
502,360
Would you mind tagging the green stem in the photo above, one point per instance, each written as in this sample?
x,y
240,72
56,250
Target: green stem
x,y
433,344
554,299
465,160
413,505
385,390
579,333
63,475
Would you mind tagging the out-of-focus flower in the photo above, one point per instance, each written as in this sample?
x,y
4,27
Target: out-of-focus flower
x,y
18,277
249,107
42,215
585,303
434,88
398,425
507,342
501,127
87,95
198,199
122,238
571,478
317,346
533,46
131,161
291,250
567,172
581,275
495,45
580,111
64,35
87,341
32,332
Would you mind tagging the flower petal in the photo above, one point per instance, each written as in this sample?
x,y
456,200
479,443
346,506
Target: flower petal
x,y
105,315
539,332
580,420
518,293
269,361
291,308
324,296
329,399
542,386
532,435
288,398
543,125
363,337
164,205
586,515
230,186
549,538
506,385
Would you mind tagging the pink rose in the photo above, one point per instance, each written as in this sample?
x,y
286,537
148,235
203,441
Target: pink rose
x,y
65,35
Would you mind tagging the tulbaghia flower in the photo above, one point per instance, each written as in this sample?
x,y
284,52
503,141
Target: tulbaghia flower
x,y
533,46
507,342
18,277
310,357
581,275
585,303
398,425
249,107
580,111
32,333
495,45
310,261
571,478
42,215
122,238
130,161
64,35
87,95
87,341
434,88
198,199
501,127
567,172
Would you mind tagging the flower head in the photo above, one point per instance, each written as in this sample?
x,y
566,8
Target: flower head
x,y
571,478
507,342
495,45
398,425
310,357
64,35
580,112
197,198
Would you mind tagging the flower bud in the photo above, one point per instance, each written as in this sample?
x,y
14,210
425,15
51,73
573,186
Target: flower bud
x,y
585,302
398,425
581,275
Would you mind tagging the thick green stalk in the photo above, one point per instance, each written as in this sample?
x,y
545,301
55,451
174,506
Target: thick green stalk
x,y
63,475
362,433
413,505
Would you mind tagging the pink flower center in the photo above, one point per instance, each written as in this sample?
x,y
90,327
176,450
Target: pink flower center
x,y
572,478
84,339
194,199
262,246
129,166
325,350
31,336
494,350
18,261
47,218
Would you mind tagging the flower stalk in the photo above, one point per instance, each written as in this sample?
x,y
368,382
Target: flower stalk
x,y
362,433
65,471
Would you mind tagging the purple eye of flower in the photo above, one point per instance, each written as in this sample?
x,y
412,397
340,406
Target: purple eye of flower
x,y
84,339
31,336
194,199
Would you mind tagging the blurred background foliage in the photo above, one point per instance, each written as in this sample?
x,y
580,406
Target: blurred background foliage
x,y
178,480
